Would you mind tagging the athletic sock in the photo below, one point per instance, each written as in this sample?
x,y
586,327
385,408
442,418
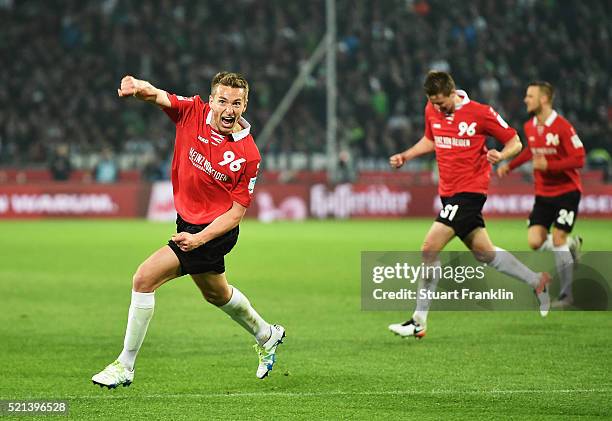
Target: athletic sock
x,y
139,316
426,283
506,263
572,241
239,308
547,244
565,265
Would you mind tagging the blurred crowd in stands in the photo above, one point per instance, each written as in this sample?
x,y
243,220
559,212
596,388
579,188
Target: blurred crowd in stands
x,y
63,60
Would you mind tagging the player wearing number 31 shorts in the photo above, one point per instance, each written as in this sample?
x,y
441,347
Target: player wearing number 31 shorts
x,y
456,129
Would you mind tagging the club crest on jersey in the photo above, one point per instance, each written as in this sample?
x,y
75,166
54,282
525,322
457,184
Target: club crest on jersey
x,y
552,139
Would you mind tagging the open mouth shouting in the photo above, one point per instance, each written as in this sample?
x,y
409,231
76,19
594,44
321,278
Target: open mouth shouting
x,y
228,122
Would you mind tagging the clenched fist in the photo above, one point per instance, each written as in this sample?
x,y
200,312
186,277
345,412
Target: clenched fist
x,y
502,170
130,86
397,160
494,156
187,241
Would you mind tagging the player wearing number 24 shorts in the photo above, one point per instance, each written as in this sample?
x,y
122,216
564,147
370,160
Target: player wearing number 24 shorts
x,y
557,154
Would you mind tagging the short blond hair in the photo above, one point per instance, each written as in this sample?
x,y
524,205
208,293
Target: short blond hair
x,y
546,88
233,80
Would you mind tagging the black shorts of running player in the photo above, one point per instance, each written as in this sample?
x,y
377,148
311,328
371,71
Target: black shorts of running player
x,y
559,210
209,257
462,212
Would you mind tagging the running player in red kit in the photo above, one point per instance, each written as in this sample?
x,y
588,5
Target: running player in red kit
x,y
214,170
456,129
557,154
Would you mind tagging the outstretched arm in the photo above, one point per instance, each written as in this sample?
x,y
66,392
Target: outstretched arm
x,y
141,89
423,146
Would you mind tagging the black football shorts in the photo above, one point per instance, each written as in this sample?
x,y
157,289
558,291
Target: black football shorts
x,y
209,257
462,212
561,211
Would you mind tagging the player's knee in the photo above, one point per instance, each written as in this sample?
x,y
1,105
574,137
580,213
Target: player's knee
x,y
483,255
535,243
142,281
217,297
429,252
559,240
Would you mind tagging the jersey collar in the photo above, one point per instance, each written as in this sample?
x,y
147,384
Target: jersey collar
x,y
464,98
549,121
551,118
237,135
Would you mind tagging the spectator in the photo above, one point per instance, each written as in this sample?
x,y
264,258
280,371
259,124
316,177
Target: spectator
x,y
106,170
60,165
154,169
385,49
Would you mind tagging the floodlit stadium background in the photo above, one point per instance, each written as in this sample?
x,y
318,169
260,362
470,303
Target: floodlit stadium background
x,y
83,174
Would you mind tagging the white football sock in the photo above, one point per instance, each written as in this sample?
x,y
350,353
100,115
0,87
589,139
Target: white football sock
x,y
139,316
506,263
429,284
565,266
547,244
239,308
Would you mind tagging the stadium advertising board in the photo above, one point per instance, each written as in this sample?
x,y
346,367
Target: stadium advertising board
x,y
275,201
161,202
73,200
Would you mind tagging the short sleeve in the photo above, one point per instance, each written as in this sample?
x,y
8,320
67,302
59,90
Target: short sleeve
x,y
180,107
494,125
243,192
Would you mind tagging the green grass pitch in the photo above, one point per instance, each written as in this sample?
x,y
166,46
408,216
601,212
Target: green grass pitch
x,y
65,290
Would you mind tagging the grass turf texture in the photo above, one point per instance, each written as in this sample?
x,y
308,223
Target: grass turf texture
x,y
65,288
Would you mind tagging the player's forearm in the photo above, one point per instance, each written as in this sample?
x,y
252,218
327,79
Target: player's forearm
x,y
422,147
222,224
511,148
523,157
569,163
147,92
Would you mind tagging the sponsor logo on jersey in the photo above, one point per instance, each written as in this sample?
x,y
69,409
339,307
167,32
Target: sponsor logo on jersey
x,y
203,164
445,142
202,139
544,151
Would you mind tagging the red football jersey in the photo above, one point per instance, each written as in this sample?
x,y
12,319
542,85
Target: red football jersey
x,y
209,170
460,144
557,140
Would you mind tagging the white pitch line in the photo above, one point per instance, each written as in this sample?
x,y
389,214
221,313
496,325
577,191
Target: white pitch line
x,y
333,393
